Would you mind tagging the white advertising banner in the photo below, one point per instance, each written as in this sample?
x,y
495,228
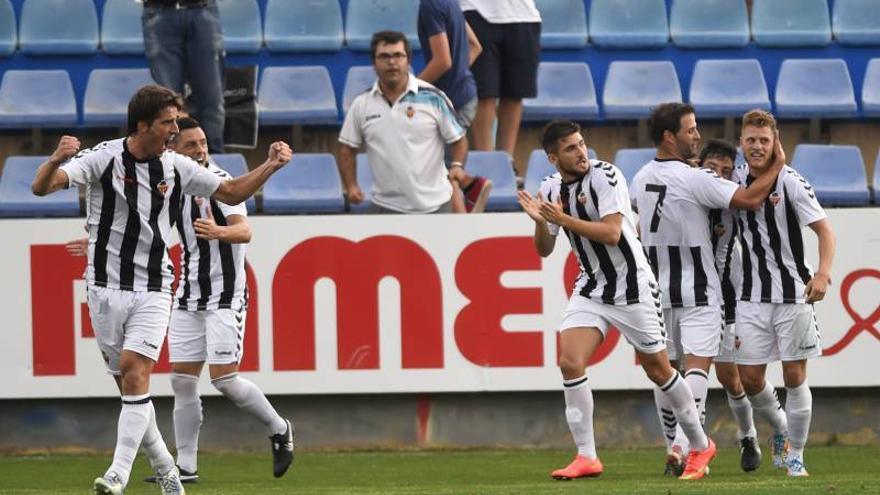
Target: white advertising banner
x,y
378,304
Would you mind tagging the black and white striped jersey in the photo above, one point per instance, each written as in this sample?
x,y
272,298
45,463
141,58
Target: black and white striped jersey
x,y
611,274
775,268
213,271
673,200
131,206
728,257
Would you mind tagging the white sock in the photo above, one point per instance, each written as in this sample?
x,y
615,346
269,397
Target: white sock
x,y
698,381
133,421
767,405
187,419
798,411
682,401
579,414
741,409
244,394
154,446
668,422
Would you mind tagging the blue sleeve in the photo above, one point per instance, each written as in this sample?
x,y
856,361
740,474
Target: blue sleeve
x,y
432,20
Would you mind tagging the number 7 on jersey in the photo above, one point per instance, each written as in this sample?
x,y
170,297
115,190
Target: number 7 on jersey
x,y
660,189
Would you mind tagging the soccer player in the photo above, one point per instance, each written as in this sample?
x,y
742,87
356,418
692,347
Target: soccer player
x,y
588,200
775,318
719,156
674,200
134,184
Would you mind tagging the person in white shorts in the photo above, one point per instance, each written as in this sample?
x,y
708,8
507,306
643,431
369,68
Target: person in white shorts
x,y
588,200
673,199
133,185
775,319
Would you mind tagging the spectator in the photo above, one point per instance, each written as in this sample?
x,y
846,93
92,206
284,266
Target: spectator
x,y
507,69
450,47
184,44
404,124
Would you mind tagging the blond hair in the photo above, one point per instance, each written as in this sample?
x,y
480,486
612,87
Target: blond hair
x,y
759,118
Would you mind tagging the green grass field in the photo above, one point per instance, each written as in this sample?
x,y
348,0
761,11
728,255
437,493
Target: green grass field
x,y
839,470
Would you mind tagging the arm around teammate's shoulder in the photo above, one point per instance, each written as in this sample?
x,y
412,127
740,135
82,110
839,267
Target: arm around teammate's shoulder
x,y
752,197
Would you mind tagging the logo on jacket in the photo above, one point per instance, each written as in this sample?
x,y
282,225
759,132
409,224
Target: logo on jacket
x,y
719,229
410,111
162,186
582,198
774,198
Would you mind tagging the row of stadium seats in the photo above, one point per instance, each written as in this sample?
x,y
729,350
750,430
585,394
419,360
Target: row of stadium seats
x,y
71,26
311,183
304,95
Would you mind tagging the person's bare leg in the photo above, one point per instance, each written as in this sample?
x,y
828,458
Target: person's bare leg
x,y
509,119
481,127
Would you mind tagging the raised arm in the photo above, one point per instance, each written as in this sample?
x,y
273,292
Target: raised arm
x,y
818,285
607,231
233,192
49,178
544,240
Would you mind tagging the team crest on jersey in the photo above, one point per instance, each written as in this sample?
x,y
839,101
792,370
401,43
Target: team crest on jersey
x,y
410,111
582,198
774,198
162,186
719,229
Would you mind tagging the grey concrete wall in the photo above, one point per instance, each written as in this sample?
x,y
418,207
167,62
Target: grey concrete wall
x,y
846,416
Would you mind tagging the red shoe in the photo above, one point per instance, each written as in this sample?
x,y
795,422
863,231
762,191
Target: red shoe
x,y
698,462
580,467
476,195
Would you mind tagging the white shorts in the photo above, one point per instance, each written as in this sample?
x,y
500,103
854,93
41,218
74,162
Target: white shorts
x,y
124,319
695,331
215,336
771,332
727,348
640,323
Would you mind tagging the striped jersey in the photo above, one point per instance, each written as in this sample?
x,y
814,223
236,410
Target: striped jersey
x,y
213,271
131,206
673,200
612,274
775,269
728,257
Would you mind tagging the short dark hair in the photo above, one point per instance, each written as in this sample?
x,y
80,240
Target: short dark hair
x,y
667,117
184,123
556,130
389,38
718,148
147,102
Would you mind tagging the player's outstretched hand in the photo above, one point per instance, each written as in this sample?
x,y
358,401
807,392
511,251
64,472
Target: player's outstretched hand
x,y
816,288
279,154
531,205
67,147
207,228
78,247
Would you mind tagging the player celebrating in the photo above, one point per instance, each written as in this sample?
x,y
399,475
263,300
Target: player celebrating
x,y
134,184
589,201
674,200
775,318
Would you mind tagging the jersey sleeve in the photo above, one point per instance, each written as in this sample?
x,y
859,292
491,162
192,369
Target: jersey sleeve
x,y
431,19
450,128
229,210
352,134
807,206
611,191
545,192
710,190
195,180
86,166
634,189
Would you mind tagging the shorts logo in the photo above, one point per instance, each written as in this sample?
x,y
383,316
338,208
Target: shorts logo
x,y
162,186
774,198
582,198
807,348
223,353
410,111
650,344
154,346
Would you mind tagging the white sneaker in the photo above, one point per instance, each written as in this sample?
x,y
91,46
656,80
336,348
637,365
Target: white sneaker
x,y
795,468
109,484
170,483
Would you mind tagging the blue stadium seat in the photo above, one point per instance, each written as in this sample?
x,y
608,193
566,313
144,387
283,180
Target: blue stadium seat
x,y
629,23
837,173
777,23
630,160
871,89
709,23
540,167
303,26
235,164
58,27
8,31
242,27
122,31
36,98
729,87
309,184
856,22
815,88
563,23
17,200
565,90
365,17
296,95
633,88
876,187
495,166
108,92
359,79
365,181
